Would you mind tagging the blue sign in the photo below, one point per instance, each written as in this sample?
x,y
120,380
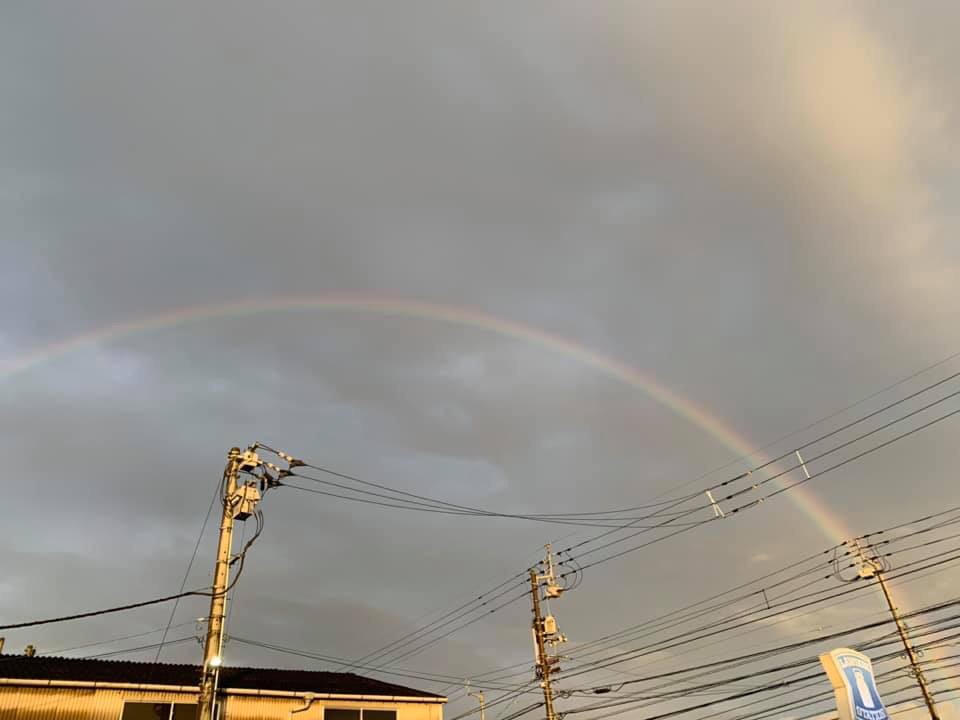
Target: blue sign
x,y
851,674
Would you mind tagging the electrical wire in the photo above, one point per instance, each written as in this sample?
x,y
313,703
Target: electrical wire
x,y
186,574
711,630
821,420
452,506
760,500
114,653
593,514
948,511
939,641
118,639
424,676
457,613
682,711
746,474
439,508
437,639
105,611
144,603
684,638
430,501
773,461
916,574
697,610
741,660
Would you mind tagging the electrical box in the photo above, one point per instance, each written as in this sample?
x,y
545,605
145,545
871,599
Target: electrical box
x,y
549,625
245,501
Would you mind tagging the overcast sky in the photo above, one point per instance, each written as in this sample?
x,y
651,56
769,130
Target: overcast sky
x,y
755,205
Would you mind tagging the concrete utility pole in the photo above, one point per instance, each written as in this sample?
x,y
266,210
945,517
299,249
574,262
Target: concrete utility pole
x,y
239,502
874,567
545,631
479,696
540,648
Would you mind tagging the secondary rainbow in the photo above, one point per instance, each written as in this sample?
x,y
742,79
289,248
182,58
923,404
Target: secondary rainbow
x,y
803,497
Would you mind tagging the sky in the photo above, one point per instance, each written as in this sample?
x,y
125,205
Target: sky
x,y
494,217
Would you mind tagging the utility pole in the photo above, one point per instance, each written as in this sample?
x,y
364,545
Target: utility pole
x,y
873,567
545,631
239,502
479,696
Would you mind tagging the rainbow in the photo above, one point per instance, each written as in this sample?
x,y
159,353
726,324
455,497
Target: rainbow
x,y
803,497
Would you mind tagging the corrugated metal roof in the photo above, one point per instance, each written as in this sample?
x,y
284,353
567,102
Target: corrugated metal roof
x,y
21,667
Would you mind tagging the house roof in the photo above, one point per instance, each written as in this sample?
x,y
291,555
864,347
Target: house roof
x,y
21,667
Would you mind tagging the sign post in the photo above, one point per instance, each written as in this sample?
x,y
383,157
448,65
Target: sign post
x,y
854,686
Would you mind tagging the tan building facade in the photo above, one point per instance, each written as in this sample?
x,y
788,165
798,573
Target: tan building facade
x,y
106,690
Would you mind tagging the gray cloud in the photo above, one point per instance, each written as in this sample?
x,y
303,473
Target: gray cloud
x,y
753,207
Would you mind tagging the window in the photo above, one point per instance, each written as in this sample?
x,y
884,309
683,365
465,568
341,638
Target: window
x,y
182,711
158,711
351,714
340,714
379,715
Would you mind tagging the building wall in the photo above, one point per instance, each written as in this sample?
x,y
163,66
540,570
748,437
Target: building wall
x,y
266,708
18,703
49,703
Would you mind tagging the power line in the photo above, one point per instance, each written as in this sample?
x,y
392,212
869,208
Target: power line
x,y
239,558
186,574
118,639
711,629
434,501
426,503
746,474
436,509
821,420
425,676
948,511
696,609
432,504
429,627
105,611
141,648
444,620
435,640
915,574
801,569
748,658
682,711
770,495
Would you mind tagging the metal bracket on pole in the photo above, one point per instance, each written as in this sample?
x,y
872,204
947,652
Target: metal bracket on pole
x,y
717,511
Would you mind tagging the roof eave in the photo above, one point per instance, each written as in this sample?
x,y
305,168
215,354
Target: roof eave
x,y
150,687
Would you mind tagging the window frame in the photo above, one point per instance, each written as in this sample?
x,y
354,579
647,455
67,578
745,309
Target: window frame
x,y
171,705
361,710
